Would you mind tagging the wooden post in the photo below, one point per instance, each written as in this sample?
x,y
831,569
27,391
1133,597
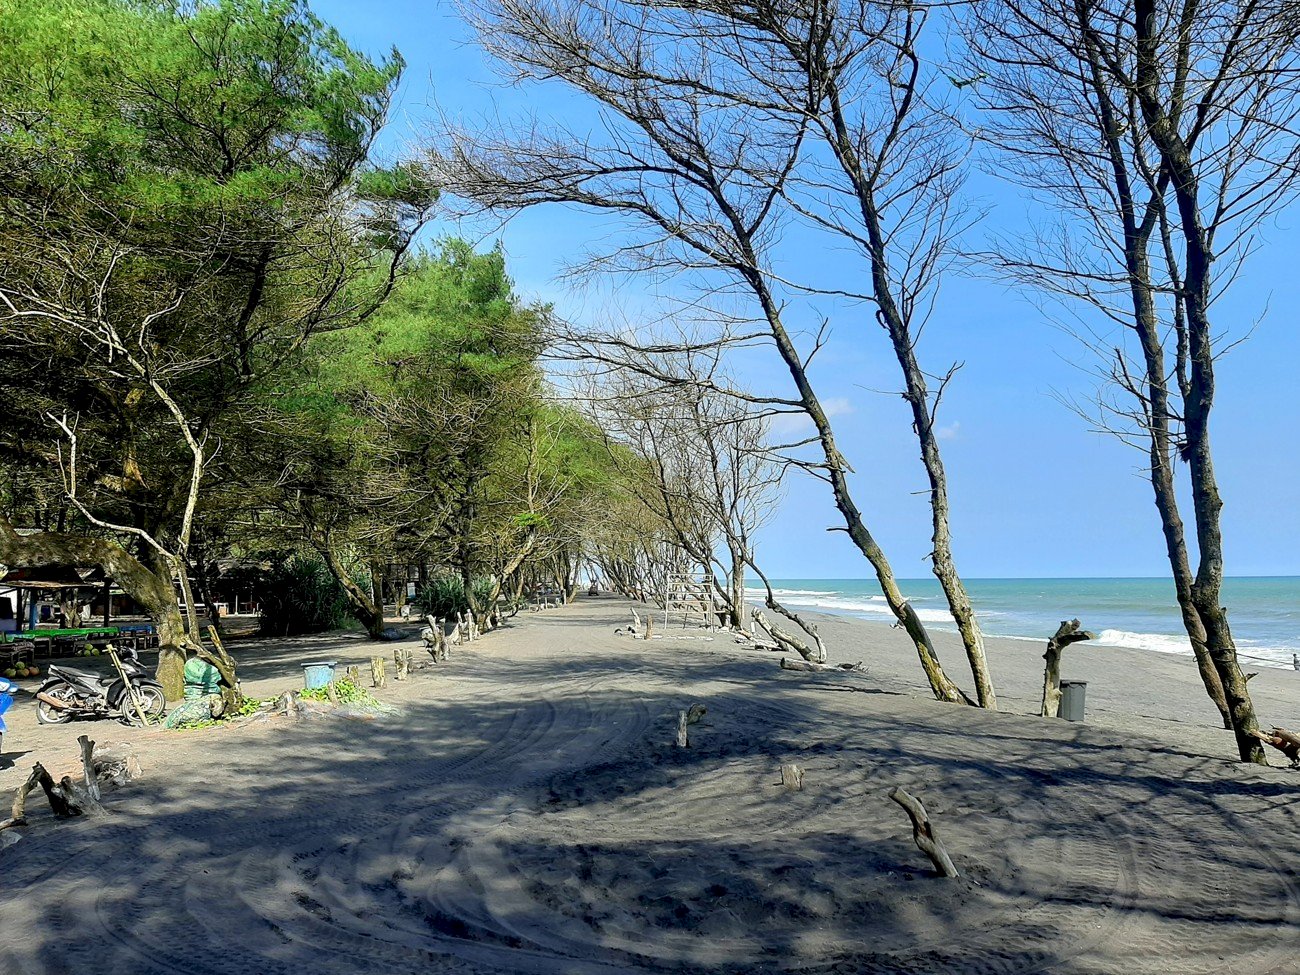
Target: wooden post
x,y
685,719
649,626
1068,632
792,778
402,660
332,693
927,841
353,674
377,676
136,704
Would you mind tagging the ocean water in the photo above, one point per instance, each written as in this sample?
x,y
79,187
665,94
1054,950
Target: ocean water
x,y
1140,614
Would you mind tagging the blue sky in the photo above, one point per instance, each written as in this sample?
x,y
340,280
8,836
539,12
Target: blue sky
x,y
1034,492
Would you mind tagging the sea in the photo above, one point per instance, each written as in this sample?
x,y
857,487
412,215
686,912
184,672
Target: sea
x,y
1138,614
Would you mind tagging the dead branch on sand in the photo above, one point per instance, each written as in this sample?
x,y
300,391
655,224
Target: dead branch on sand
x,y
1068,632
1287,742
927,841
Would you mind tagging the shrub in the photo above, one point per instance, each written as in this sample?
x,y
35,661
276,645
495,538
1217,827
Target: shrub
x,y
300,595
444,595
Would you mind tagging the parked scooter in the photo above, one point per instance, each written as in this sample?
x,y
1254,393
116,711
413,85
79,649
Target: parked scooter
x,y
71,693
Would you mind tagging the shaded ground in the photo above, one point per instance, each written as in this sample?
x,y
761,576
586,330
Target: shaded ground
x,y
526,812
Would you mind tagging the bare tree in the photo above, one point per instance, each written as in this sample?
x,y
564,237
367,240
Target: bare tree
x,y
706,111
1165,132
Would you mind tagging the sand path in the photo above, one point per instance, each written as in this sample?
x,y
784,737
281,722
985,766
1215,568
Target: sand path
x,y
526,812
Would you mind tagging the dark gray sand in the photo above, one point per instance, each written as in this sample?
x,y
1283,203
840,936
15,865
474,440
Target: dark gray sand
x,y
527,812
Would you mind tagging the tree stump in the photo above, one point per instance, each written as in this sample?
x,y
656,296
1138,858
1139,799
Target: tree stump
x,y
88,778
332,693
288,702
685,719
649,627
792,778
66,799
353,674
377,676
1068,632
402,659
927,841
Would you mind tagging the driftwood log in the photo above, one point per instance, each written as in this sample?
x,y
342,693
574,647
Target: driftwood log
x,y
1287,742
788,663
792,778
685,719
70,798
927,841
814,652
1068,632
18,809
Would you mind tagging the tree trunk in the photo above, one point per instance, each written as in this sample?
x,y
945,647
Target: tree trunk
x,y
205,591
837,470
1177,164
362,606
737,585
152,590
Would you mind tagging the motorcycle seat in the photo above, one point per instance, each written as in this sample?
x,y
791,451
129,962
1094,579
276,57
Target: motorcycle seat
x,y
85,675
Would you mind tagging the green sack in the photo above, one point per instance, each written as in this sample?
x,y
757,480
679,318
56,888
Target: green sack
x,y
201,679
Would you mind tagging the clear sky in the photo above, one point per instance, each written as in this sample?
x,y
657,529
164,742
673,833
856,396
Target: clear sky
x,y
1034,492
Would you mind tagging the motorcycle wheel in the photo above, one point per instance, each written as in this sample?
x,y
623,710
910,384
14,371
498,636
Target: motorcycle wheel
x,y
151,700
48,713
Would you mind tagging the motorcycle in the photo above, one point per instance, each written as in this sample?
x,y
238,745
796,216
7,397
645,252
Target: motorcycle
x,y
71,693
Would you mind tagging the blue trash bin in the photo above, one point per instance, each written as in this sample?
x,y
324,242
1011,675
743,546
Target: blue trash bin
x,y
318,673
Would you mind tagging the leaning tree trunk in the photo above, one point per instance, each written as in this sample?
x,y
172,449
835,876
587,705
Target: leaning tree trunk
x,y
837,471
1176,161
360,604
511,568
202,577
151,589
1158,417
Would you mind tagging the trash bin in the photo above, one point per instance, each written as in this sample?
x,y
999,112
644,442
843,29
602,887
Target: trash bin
x,y
318,673
1073,693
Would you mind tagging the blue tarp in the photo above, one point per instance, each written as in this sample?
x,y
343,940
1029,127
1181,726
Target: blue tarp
x,y
7,688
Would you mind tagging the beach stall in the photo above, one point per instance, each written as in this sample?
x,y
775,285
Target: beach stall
x,y
40,629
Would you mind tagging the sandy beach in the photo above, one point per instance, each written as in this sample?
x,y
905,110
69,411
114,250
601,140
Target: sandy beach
x,y
526,811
